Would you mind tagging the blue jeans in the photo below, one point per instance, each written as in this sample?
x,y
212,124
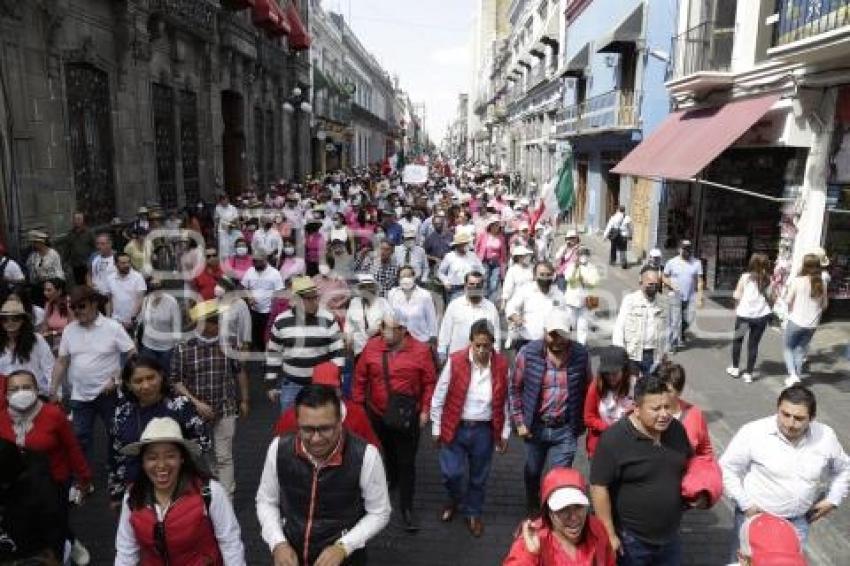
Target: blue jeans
x,y
801,525
563,444
163,357
639,553
795,346
681,315
472,443
492,280
83,415
288,391
647,362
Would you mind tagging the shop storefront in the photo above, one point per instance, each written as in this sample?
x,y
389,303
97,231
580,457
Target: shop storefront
x,y
837,217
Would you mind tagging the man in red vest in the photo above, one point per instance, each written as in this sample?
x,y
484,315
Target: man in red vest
x,y
468,415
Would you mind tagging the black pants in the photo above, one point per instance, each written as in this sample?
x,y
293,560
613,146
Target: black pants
x,y
258,329
756,327
618,245
80,272
399,458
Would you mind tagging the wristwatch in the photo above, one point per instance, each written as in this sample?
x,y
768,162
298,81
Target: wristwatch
x,y
341,545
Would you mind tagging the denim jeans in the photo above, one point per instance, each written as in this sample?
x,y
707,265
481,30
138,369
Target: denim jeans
x,y
492,280
795,346
288,391
647,362
561,440
756,327
472,444
681,315
83,415
639,553
801,525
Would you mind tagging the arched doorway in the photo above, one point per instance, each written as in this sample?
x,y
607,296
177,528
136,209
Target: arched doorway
x,y
233,140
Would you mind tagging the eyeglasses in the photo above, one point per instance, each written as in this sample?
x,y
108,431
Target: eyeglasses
x,y
311,431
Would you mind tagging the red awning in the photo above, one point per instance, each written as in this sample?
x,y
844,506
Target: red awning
x,y
270,17
299,38
687,141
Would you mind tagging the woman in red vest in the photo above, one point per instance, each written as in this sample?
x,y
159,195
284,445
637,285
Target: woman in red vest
x,y
468,416
610,396
174,513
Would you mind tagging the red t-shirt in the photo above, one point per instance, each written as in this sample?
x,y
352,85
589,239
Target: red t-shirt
x,y
205,282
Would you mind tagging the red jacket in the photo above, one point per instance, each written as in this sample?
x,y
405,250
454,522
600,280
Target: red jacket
x,y
411,372
703,473
594,422
356,422
189,535
694,422
52,435
461,373
206,281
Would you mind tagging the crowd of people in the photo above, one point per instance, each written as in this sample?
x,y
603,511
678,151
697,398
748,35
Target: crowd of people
x,y
377,312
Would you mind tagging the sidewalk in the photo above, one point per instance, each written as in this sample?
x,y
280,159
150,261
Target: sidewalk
x,y
730,403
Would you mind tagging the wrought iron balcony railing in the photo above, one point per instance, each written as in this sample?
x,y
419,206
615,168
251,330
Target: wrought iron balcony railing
x,y
802,19
703,48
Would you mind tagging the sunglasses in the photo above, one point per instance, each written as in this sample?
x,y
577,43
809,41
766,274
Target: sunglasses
x,y
13,318
311,431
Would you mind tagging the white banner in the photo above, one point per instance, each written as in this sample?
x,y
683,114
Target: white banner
x,y
415,174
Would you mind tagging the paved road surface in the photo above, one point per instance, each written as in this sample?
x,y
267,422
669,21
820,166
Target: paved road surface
x,y
727,404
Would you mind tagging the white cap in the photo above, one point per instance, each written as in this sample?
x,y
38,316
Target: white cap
x,y
566,496
558,320
519,249
409,232
571,233
339,235
654,252
365,278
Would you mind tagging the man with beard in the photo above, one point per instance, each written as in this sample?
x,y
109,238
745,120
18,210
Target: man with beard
x,y
438,241
126,289
641,323
683,275
262,281
548,388
636,478
528,308
462,312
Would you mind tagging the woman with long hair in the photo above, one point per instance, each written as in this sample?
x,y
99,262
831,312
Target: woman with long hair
x,y
806,299
491,249
610,395
21,348
41,427
174,513
57,313
147,394
753,296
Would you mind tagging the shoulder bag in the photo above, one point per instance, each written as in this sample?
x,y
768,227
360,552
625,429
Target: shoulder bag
x,y
400,415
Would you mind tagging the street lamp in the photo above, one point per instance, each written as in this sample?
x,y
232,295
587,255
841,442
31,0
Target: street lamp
x,y
296,103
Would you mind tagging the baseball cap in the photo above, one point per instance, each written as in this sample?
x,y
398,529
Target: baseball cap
x,y
686,244
558,320
566,496
612,358
768,540
654,252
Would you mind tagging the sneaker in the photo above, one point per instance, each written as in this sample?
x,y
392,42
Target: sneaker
x,y
792,380
732,372
747,377
79,554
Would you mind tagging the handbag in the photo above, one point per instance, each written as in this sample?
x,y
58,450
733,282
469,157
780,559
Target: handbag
x,y
400,415
591,302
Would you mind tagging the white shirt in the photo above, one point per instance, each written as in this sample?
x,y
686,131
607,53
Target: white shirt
x,y
95,355
576,291
515,279
419,309
478,405
40,363
418,261
262,285
222,517
752,302
224,214
236,322
763,468
268,240
373,489
804,310
101,269
163,322
359,327
125,292
458,320
454,267
12,271
413,224
533,306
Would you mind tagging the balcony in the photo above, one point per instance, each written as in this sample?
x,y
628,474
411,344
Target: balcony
x,y
811,32
612,111
701,58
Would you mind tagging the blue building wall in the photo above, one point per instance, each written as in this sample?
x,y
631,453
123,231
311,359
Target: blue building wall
x,y
597,20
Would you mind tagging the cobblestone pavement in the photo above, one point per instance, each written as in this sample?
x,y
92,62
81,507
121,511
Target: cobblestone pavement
x,y
727,403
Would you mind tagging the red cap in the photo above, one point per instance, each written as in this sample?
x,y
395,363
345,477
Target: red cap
x,y
768,540
561,477
327,373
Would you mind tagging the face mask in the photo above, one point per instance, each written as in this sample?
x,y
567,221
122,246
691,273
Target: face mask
x,y
406,283
650,291
409,243
545,283
268,226
218,292
288,250
338,223
324,270
22,400
241,251
277,219
474,295
583,260
686,254
260,266
438,225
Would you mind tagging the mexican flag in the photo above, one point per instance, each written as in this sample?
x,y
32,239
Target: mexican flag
x,y
557,196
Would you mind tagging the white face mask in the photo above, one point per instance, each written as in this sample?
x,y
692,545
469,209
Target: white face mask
x,y
240,251
288,250
22,400
583,259
218,292
324,269
406,283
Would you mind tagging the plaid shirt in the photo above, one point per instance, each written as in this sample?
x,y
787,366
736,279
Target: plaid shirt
x,y
208,374
553,391
385,274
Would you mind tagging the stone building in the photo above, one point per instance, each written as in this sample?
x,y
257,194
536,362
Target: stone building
x,y
108,105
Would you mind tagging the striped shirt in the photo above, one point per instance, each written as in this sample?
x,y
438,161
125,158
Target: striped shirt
x,y
298,342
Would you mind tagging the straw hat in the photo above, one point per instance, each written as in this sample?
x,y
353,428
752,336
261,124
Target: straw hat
x,y
519,249
205,310
303,285
38,236
461,238
13,307
164,429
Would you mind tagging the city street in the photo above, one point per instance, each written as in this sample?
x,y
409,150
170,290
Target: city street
x,y
727,404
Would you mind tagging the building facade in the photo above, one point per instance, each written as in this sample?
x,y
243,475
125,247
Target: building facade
x,y
111,105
